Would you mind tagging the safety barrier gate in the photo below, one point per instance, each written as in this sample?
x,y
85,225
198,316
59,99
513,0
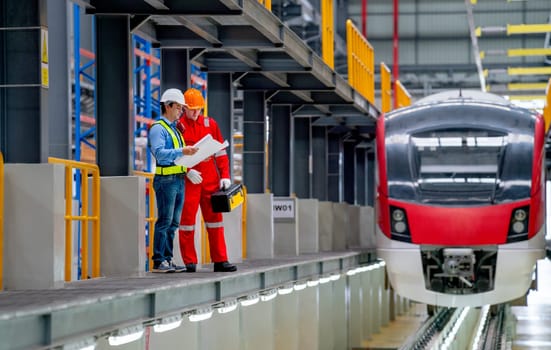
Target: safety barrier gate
x,y
151,218
1,221
361,62
85,170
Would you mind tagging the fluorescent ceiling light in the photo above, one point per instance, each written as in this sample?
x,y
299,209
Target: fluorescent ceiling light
x,y
268,295
84,344
200,315
226,306
325,279
285,290
249,300
300,286
126,335
168,324
313,283
335,277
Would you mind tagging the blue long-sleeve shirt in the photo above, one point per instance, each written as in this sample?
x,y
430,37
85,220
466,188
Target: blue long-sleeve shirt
x,y
161,145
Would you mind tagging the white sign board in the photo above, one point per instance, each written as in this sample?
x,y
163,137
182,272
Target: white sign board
x,y
283,208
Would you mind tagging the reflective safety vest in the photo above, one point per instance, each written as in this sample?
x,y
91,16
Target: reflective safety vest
x,y
177,140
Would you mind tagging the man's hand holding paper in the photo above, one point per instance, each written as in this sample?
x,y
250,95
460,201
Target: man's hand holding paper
x,y
206,147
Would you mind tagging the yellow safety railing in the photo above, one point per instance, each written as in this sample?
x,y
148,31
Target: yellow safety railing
x,y
547,107
1,221
151,218
403,98
361,62
327,33
244,225
386,89
267,4
85,170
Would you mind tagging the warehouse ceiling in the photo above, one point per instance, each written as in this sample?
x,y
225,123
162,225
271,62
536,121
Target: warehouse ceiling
x,y
436,48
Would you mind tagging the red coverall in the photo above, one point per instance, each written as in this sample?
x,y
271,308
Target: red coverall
x,y
212,170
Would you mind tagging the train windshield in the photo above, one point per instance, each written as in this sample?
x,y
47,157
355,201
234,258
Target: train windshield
x,y
460,165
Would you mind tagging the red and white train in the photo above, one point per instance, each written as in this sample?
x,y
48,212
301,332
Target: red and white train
x,y
461,198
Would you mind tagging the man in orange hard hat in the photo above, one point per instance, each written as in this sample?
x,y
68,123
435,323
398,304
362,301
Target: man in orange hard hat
x,y
202,181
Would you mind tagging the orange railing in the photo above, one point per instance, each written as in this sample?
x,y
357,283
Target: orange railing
x,y
151,218
403,98
547,106
266,3
361,62
386,89
85,170
327,33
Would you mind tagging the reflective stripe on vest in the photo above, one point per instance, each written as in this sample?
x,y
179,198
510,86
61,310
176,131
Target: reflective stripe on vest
x,y
170,170
177,139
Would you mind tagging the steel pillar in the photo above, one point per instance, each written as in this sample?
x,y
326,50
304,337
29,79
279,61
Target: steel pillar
x,y
254,142
280,155
114,95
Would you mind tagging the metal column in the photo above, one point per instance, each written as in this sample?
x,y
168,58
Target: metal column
x,y
254,142
301,158
349,171
334,167
175,69
114,95
280,156
220,106
319,162
361,178
34,102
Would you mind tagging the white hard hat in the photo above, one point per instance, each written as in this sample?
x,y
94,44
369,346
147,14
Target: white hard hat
x,y
173,95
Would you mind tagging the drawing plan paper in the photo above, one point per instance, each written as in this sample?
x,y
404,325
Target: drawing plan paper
x,y
207,147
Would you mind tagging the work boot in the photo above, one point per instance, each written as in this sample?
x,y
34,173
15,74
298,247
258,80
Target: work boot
x,y
191,267
224,266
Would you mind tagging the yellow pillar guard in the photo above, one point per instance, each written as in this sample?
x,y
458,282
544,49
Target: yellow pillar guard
x,y
85,169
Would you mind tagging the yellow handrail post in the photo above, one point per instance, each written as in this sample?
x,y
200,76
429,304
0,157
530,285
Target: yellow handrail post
x,y
151,218
84,224
96,227
244,225
68,220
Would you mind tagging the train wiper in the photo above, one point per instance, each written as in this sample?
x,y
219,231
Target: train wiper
x,y
500,157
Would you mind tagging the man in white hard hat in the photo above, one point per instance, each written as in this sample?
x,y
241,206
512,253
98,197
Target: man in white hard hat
x,y
167,144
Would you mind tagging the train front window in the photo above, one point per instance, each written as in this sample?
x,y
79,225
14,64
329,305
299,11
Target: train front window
x,y
460,166
458,162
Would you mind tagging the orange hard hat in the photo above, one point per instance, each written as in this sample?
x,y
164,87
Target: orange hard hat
x,y
194,99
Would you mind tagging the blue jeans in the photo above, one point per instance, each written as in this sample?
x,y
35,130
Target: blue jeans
x,y
169,191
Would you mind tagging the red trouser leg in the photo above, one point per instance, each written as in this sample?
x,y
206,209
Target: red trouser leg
x,y
215,228
186,232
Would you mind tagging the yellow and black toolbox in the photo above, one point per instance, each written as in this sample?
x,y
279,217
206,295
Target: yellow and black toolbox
x,y
225,201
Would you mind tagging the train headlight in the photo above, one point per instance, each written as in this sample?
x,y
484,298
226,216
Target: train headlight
x,y
518,224
398,215
520,215
400,227
399,224
518,227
